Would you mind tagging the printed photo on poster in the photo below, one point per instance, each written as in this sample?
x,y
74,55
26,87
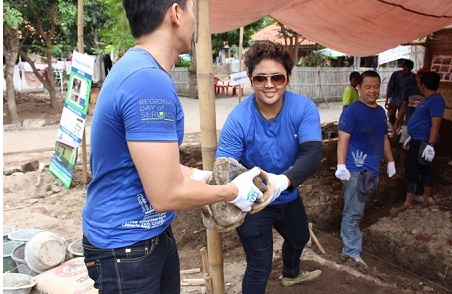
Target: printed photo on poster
x,y
442,64
78,90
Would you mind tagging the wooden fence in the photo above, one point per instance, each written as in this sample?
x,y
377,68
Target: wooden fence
x,y
328,84
319,84
180,78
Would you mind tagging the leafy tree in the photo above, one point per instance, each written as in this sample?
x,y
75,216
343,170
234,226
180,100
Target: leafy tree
x,y
114,31
232,37
12,19
315,59
43,34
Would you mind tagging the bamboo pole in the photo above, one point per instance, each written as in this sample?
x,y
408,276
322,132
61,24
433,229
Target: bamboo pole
x,y
240,61
190,271
193,282
206,95
208,283
316,241
205,260
80,50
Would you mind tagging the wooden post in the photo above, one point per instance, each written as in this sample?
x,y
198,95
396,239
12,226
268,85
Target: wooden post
x,y
206,96
80,50
205,260
208,283
240,61
316,241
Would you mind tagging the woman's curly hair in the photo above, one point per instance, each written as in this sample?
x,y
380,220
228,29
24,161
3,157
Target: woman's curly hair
x,y
268,50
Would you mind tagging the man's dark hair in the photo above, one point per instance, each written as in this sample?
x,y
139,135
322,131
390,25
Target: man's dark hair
x,y
408,63
146,15
369,73
431,80
268,50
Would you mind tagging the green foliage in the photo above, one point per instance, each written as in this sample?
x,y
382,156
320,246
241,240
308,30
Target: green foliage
x,y
181,62
11,16
315,59
105,27
232,37
114,31
65,40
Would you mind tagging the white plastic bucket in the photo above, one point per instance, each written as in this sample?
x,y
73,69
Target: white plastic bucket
x,y
44,251
17,283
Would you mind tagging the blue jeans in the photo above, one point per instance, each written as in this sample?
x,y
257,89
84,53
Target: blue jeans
x,y
352,214
150,266
256,235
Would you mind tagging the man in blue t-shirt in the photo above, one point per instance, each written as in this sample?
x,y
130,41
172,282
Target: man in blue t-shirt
x,y
363,141
398,83
138,183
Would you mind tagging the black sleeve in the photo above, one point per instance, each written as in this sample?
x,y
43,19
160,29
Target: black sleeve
x,y
307,163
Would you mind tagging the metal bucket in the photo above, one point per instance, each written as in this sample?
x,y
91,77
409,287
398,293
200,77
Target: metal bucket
x,y
6,231
44,251
76,248
9,265
22,235
18,256
14,283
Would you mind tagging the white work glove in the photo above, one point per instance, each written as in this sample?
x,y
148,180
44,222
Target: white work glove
x,y
428,153
280,182
406,144
391,169
248,192
201,175
342,172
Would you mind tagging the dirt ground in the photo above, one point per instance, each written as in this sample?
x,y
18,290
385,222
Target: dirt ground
x,y
48,205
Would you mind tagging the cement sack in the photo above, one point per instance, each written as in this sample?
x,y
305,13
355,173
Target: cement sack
x,y
70,277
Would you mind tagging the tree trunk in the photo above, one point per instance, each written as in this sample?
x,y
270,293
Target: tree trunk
x,y
51,78
10,51
48,81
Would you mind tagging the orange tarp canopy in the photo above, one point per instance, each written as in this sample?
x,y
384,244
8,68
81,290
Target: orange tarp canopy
x,y
357,28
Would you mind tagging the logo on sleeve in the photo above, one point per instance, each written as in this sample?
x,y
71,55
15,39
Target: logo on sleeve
x,y
156,110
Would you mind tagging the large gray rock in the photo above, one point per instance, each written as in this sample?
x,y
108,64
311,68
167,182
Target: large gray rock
x,y
223,216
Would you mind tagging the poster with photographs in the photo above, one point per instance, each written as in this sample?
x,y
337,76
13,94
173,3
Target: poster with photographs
x,y
442,64
73,118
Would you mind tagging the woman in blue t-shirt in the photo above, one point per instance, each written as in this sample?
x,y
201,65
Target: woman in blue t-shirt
x,y
280,132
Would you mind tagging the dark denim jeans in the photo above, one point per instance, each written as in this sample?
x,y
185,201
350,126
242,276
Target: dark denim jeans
x,y
256,235
413,169
147,267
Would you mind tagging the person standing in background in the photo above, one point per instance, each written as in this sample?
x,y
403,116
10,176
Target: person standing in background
x,y
411,100
399,82
108,64
363,141
350,94
423,129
